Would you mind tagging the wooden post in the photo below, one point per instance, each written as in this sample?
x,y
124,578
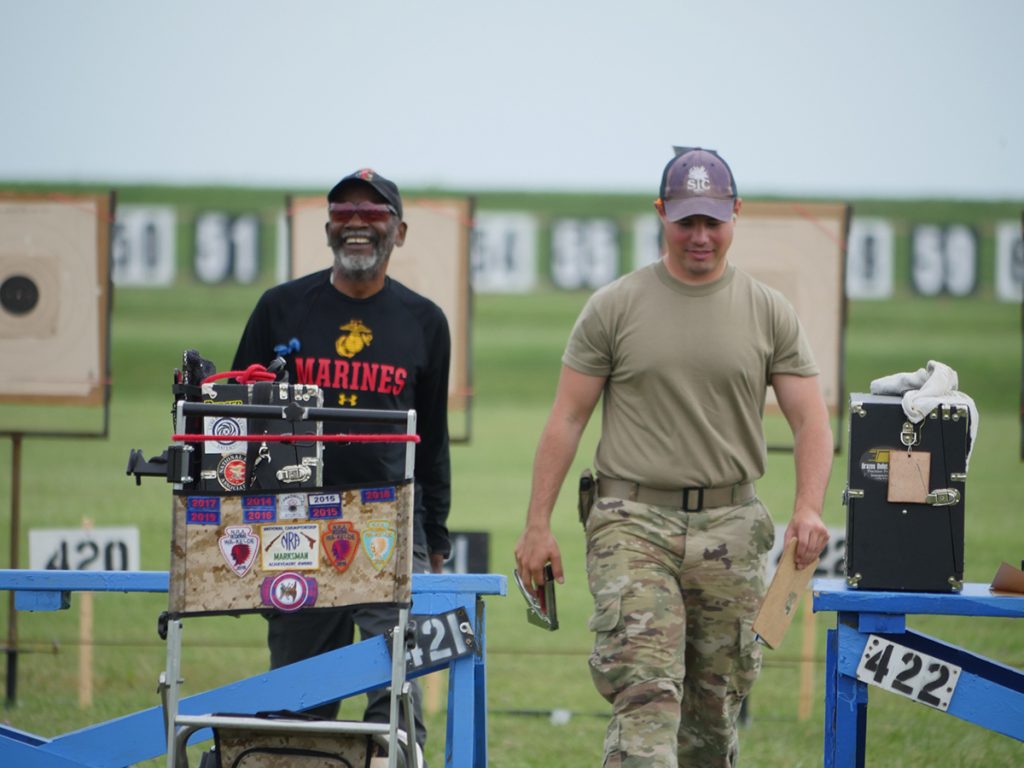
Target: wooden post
x,y
807,659
85,662
432,685
12,614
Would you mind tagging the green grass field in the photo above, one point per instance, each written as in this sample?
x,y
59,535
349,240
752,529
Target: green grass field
x,y
517,344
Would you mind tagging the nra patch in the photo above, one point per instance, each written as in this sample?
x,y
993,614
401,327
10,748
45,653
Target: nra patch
x,y
231,472
324,506
292,506
259,509
289,591
202,510
239,546
379,542
290,547
341,543
371,495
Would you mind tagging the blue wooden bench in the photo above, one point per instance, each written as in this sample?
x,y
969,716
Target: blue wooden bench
x,y
984,692
140,736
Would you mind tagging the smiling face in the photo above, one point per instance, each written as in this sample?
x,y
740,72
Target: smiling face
x,y
696,246
362,248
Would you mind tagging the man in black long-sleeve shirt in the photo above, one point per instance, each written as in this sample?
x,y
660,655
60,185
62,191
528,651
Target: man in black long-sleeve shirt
x,y
368,342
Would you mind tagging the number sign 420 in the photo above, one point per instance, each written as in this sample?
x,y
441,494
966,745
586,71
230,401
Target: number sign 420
x,y
84,549
907,672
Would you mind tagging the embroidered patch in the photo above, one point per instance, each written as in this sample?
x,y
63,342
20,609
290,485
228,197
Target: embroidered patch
x,y
231,472
225,429
292,506
371,495
202,510
324,506
289,591
291,547
379,542
259,509
341,542
239,546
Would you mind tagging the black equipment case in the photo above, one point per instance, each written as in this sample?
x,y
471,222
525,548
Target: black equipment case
x,y
227,465
905,496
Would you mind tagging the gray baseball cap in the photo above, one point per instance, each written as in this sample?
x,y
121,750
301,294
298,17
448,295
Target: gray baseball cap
x,y
697,182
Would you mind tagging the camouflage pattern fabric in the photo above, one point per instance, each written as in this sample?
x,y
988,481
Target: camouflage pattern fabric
x,y
259,749
221,562
675,594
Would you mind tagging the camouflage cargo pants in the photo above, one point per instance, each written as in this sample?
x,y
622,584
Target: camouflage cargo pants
x,y
675,594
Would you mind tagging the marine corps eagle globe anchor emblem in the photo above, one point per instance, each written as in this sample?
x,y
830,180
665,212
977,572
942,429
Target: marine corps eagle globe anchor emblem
x,y
356,338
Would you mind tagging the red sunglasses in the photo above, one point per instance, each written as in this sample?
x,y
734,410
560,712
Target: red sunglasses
x,y
370,213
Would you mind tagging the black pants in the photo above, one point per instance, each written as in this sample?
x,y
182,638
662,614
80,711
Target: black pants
x,y
293,637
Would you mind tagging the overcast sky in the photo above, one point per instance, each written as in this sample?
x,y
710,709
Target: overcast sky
x,y
872,97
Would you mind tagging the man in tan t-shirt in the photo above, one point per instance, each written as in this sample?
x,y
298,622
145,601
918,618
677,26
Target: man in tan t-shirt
x,y
683,352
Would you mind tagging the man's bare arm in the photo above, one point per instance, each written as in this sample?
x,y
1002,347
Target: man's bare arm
x,y
804,407
575,399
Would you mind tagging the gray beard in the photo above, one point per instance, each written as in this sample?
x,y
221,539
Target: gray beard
x,y
358,268
363,267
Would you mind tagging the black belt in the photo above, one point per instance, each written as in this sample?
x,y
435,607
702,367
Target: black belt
x,y
686,499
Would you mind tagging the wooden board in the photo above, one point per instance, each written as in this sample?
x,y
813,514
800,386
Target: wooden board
x,y
799,249
783,597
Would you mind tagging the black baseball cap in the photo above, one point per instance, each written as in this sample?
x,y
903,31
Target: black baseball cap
x,y
383,187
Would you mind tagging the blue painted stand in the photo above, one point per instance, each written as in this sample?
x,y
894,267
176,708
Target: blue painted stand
x,y
988,694
338,674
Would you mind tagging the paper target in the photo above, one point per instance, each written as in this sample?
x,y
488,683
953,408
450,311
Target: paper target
x,y
54,297
29,290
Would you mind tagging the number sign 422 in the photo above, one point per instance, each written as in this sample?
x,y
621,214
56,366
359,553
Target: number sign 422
x,y
909,673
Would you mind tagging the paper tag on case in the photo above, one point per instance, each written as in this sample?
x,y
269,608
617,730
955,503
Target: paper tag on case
x,y
909,476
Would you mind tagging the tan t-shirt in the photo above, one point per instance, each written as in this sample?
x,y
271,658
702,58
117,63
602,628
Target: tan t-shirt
x,y
688,367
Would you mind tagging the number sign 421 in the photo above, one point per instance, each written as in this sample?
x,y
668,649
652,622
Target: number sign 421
x,y
84,549
438,639
907,672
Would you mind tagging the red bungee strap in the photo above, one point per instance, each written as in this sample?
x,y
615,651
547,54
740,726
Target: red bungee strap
x,y
339,438
250,375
